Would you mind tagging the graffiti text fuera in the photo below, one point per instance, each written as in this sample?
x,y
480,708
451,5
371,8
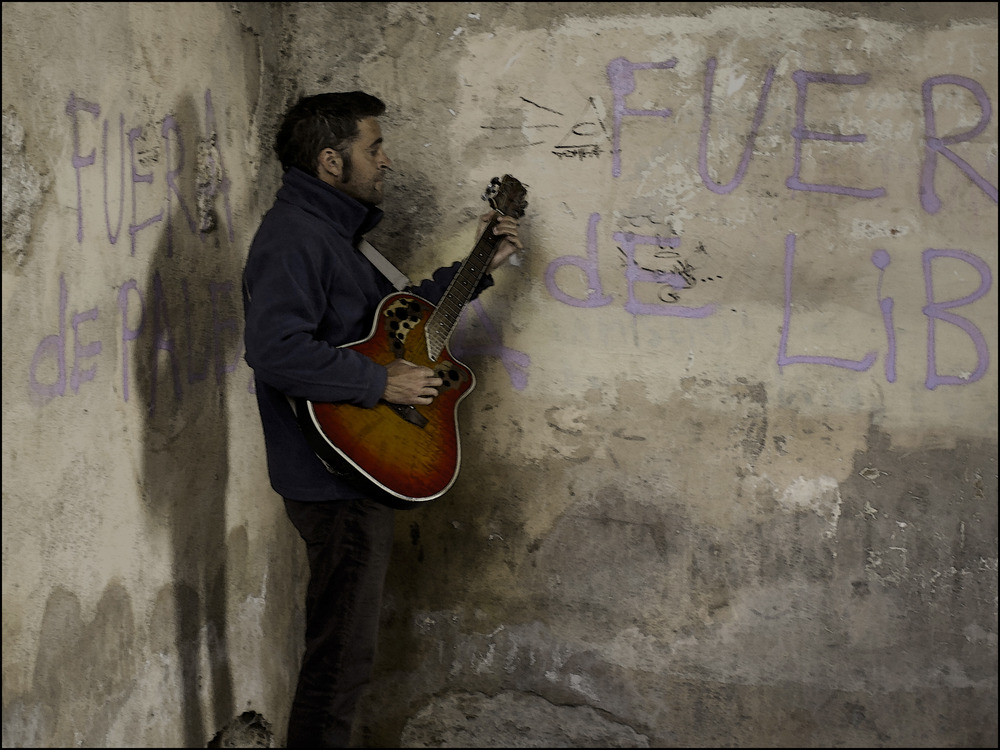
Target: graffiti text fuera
x,y
941,314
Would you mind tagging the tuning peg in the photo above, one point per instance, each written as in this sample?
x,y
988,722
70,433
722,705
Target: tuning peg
x,y
495,181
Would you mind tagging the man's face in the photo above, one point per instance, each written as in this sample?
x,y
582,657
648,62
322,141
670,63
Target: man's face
x,y
364,169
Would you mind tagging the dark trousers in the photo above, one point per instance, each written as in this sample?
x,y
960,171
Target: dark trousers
x,y
348,543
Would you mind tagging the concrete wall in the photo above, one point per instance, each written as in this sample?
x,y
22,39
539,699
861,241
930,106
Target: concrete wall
x,y
729,471
142,549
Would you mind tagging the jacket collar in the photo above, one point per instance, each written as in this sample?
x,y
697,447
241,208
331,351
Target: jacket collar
x,y
352,217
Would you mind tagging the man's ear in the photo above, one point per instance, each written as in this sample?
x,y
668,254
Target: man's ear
x,y
330,164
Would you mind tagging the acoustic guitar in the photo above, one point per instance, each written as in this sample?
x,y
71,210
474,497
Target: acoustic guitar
x,y
411,454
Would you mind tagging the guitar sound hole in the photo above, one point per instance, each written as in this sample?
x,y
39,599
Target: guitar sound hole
x,y
449,375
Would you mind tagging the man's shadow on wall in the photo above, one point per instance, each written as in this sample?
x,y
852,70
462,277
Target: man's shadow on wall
x,y
180,356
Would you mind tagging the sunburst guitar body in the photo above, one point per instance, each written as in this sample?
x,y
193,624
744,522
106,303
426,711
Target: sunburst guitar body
x,y
408,455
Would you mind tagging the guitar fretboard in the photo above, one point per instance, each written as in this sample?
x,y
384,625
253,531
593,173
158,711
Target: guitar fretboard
x,y
441,323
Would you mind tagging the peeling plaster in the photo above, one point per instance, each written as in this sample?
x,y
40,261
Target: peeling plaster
x,y
22,189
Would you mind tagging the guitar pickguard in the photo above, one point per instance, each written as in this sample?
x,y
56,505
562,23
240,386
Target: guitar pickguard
x,y
400,318
403,322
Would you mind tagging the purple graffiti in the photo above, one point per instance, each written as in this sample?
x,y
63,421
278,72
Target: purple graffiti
x,y
163,337
85,351
129,334
73,106
935,311
134,227
634,274
706,124
595,297
112,238
881,260
223,331
622,79
170,126
54,346
934,145
53,352
801,133
783,358
206,189
515,362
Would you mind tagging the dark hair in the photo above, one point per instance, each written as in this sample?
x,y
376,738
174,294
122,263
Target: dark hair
x,y
322,121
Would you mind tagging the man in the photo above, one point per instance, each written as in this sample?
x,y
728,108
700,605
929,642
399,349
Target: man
x,y
308,289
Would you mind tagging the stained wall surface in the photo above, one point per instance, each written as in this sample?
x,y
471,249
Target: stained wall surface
x,y
147,573
729,470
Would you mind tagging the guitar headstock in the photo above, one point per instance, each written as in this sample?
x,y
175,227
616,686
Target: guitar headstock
x,y
506,196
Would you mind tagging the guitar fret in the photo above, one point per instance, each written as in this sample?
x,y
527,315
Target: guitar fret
x,y
444,318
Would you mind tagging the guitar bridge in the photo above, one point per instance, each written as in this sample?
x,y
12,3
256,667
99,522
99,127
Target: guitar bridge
x,y
409,413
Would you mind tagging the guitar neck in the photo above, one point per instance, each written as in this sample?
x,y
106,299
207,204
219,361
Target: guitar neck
x,y
443,320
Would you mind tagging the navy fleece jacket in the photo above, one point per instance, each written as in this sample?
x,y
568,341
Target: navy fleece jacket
x,y
308,290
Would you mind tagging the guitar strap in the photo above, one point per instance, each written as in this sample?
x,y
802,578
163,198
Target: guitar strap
x,y
396,277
